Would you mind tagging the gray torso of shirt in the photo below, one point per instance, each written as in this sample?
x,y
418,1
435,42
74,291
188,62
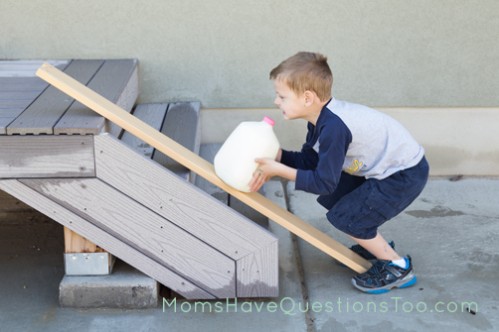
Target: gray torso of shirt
x,y
380,145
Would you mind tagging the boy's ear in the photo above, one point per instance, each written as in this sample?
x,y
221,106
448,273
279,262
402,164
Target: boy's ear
x,y
309,97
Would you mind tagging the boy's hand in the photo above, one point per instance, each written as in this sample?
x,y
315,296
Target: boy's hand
x,y
267,168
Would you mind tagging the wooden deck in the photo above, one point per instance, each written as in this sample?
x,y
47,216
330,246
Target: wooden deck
x,y
68,162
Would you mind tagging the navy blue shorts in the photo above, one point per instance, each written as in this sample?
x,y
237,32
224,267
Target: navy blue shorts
x,y
359,205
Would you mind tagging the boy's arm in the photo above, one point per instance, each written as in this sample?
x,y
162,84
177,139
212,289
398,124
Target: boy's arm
x,y
306,158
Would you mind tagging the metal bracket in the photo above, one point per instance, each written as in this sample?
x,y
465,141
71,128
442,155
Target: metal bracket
x,y
96,263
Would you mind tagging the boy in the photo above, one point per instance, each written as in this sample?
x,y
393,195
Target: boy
x,y
365,167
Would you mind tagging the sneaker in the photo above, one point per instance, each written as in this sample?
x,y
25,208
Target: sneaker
x,y
384,275
359,250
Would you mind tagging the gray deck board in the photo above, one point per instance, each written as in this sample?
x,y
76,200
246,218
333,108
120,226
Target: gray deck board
x,y
153,115
182,125
46,156
110,81
26,68
42,115
13,84
18,95
124,251
132,223
258,273
171,197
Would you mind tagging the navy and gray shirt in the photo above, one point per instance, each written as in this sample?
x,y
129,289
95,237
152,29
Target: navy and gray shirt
x,y
354,139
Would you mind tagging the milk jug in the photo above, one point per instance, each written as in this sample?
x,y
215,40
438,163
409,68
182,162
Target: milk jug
x,y
235,161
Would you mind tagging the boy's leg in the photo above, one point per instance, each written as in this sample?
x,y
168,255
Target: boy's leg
x,y
379,248
362,211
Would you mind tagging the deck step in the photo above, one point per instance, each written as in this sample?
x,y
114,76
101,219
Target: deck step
x,y
208,152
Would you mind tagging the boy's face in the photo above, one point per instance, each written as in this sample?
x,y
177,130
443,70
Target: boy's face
x,y
291,105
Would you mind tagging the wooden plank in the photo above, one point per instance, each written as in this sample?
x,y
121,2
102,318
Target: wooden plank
x,y
15,103
42,115
126,101
192,210
124,251
169,196
200,166
136,225
258,273
46,156
110,81
153,115
182,125
208,152
18,95
13,84
75,243
26,68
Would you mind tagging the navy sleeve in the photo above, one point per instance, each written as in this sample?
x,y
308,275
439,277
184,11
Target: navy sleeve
x,y
334,138
307,158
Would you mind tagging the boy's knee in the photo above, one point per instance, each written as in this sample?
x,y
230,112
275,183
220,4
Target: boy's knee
x,y
356,229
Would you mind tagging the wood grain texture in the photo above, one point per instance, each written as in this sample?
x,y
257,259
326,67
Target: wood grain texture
x,y
200,166
42,115
143,229
46,156
176,200
124,251
258,273
193,210
75,243
110,80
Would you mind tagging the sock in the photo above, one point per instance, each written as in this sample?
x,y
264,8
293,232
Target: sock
x,y
401,263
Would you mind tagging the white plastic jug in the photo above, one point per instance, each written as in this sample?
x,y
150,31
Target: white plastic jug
x,y
235,161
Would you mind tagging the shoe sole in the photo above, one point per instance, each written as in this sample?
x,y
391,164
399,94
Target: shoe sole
x,y
408,281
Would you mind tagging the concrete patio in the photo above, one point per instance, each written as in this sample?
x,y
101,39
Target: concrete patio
x,y
451,232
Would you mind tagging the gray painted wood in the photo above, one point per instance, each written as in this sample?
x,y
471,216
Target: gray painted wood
x,y
258,273
26,68
42,115
193,210
13,84
132,223
208,152
18,95
110,81
46,156
183,126
153,115
177,200
126,100
124,251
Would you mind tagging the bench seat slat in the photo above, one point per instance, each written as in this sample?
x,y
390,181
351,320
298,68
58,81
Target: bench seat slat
x,y
41,116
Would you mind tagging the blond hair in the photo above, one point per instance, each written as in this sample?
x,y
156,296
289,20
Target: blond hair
x,y
306,71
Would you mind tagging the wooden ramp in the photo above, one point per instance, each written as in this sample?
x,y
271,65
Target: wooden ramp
x,y
66,161
200,166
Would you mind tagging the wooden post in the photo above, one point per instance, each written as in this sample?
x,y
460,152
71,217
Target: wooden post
x,y
184,156
75,243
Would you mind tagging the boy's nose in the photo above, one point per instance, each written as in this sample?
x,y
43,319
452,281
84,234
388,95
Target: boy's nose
x,y
276,101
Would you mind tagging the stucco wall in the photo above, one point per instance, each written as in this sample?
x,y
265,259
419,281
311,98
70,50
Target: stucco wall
x,y
383,53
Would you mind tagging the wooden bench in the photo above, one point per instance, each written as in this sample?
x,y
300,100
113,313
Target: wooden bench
x,y
77,172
